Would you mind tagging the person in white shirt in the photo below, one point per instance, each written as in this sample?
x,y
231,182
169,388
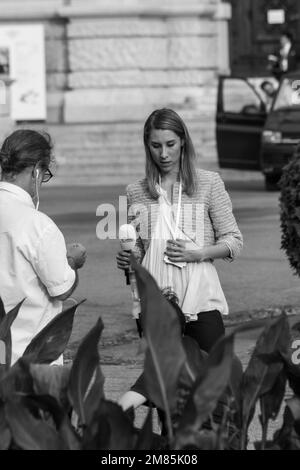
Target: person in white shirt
x,y
35,263
285,59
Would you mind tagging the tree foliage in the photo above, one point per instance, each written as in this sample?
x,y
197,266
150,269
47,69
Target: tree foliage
x,y
290,211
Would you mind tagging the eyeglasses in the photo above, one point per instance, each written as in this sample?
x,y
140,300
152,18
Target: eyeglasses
x,y
47,176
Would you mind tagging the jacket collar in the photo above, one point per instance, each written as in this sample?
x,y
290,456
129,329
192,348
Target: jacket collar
x,y
18,192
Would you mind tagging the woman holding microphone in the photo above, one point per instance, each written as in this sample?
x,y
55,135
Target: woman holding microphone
x,y
185,222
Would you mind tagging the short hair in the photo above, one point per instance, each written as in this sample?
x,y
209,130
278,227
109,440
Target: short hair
x,y
25,148
167,119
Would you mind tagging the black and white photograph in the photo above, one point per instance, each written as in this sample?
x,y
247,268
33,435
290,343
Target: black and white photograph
x,y
150,227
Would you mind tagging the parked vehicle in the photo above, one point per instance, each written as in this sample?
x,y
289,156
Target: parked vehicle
x,y
248,136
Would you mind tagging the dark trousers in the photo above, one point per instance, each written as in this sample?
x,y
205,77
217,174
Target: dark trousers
x,y
207,329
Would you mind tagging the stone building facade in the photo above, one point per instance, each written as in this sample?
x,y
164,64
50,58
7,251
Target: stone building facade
x,y
110,63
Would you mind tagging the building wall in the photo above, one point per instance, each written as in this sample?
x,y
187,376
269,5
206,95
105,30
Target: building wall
x,y
109,64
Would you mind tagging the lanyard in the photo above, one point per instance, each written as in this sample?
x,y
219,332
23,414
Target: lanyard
x,y
178,210
178,207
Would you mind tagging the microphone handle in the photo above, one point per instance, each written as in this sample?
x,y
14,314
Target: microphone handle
x,y
127,277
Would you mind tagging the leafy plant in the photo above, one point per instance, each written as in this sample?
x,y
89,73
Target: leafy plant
x,y
290,211
208,401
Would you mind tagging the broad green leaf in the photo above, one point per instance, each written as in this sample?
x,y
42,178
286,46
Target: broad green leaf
x,y
122,433
94,395
296,327
51,380
50,343
145,436
86,378
206,391
16,380
5,334
270,404
68,435
195,361
259,377
282,436
29,433
51,408
5,434
8,320
46,405
2,310
236,378
271,401
165,355
96,436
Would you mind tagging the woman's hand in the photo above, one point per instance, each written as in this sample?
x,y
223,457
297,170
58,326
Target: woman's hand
x,y
123,259
177,252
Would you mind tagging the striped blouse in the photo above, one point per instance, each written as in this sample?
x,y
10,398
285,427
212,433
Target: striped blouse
x,y
206,217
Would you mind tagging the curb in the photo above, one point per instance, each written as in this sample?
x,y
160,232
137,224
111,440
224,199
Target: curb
x,y
241,318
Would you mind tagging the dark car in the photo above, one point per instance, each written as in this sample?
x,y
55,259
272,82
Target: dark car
x,y
251,137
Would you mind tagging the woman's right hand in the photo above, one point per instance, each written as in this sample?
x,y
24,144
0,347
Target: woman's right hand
x,y
123,259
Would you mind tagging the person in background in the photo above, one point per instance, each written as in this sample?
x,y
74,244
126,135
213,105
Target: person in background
x,y
285,59
185,221
269,93
35,263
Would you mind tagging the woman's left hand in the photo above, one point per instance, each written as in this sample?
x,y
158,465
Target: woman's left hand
x,y
176,252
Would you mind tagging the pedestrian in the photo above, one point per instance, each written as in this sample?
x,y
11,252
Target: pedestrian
x,y
285,59
184,220
35,264
269,93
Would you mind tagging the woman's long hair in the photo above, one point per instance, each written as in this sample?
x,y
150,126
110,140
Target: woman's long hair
x,y
167,119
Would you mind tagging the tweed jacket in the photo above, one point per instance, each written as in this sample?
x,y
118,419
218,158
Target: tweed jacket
x,y
206,217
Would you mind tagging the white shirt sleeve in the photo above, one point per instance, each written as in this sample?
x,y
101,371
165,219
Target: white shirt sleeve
x,y
50,262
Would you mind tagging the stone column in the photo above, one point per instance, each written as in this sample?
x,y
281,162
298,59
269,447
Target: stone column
x,y
127,59
222,16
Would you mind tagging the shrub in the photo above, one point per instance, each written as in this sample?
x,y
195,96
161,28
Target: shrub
x,y
290,211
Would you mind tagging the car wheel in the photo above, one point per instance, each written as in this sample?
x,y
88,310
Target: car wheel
x,y
271,182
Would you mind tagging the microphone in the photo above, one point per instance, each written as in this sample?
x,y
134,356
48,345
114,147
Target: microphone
x,y
127,236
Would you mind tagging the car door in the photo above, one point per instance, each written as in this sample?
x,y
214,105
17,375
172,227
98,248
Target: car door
x,y
241,115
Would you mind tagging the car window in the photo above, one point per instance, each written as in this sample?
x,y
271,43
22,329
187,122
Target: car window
x,y
239,97
288,94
